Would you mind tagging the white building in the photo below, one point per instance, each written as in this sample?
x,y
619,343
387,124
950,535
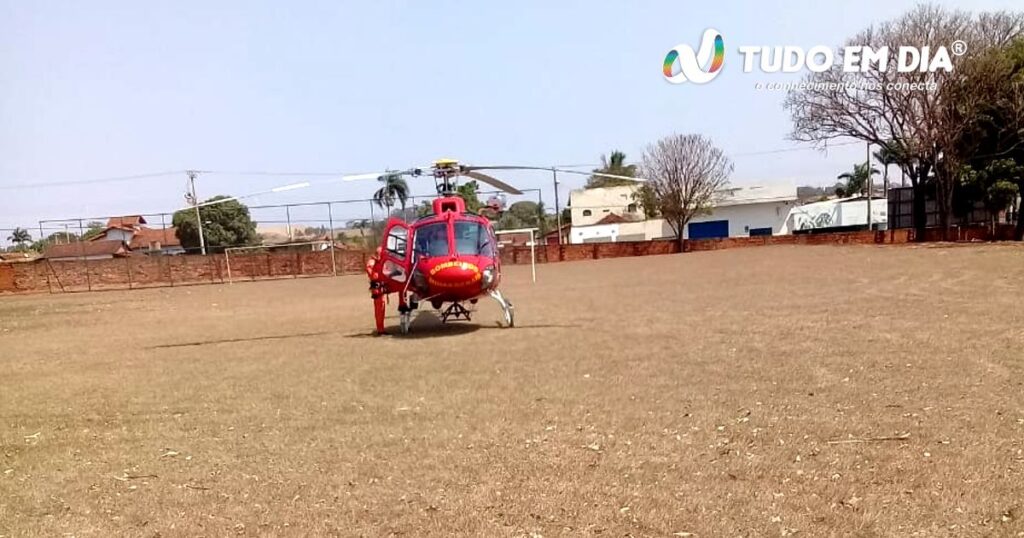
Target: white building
x,y
611,214
589,206
838,213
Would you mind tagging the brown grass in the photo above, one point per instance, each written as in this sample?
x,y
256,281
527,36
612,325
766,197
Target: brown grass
x,y
693,393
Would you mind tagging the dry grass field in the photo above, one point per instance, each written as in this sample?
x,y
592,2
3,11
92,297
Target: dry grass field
x,y
867,391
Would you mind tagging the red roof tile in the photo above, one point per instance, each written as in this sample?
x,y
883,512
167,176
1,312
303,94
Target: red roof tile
x,y
86,248
146,237
612,218
127,220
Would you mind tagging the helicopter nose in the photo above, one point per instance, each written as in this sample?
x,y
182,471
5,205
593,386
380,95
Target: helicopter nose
x,y
454,274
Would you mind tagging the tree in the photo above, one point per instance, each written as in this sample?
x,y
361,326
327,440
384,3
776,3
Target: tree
x,y
20,236
996,121
685,172
225,224
645,196
616,165
362,225
56,238
877,106
93,228
393,188
996,186
315,231
425,209
468,192
857,180
525,214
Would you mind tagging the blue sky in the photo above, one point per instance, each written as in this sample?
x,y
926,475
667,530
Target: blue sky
x,y
102,89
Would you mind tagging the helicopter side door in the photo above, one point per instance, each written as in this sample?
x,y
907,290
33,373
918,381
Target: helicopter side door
x,y
395,255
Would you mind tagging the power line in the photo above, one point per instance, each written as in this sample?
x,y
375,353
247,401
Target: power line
x,y
62,183
786,150
89,181
264,173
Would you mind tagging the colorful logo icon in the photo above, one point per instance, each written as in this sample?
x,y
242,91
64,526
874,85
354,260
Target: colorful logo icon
x,y
699,67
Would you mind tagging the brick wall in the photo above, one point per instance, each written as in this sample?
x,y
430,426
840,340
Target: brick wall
x,y
144,271
6,276
158,271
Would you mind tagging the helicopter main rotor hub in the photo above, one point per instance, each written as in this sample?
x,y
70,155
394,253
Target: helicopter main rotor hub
x,y
446,173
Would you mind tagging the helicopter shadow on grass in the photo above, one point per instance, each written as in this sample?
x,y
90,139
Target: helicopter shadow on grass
x,y
427,324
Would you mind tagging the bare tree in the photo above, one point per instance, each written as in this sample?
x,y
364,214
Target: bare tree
x,y
908,109
684,172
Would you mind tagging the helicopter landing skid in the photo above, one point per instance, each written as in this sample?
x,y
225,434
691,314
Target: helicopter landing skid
x,y
506,308
455,311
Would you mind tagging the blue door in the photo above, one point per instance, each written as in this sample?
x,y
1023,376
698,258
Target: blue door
x,y
708,230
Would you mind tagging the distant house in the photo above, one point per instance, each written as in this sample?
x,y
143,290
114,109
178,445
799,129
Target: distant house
x,y
103,249
131,231
612,214
554,237
613,218
156,241
515,239
589,206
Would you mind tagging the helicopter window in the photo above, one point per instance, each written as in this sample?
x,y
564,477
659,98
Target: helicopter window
x,y
587,213
396,241
473,238
432,239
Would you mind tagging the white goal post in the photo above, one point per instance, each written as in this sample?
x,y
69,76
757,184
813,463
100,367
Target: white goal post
x,y
532,244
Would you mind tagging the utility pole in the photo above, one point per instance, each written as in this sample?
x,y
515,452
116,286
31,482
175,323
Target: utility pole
x,y
195,204
558,210
870,181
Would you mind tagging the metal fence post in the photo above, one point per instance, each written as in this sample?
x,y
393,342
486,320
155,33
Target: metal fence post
x,y
81,251
330,220
227,265
288,221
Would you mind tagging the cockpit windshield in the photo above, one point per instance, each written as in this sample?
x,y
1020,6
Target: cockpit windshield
x,y
432,239
473,238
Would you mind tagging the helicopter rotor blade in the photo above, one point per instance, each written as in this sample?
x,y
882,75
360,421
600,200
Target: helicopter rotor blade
x,y
555,169
492,181
362,177
377,175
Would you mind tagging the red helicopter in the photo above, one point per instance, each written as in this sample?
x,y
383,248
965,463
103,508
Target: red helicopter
x,y
447,258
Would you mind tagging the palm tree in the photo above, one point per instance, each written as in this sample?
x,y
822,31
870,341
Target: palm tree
x,y
394,187
857,180
890,153
20,236
614,164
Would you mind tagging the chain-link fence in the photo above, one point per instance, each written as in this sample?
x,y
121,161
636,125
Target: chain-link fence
x,y
325,238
